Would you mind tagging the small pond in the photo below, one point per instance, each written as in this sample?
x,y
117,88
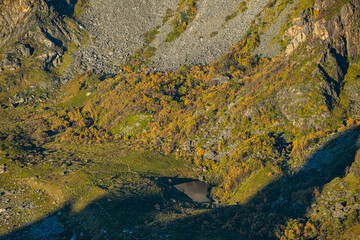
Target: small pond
x,y
196,190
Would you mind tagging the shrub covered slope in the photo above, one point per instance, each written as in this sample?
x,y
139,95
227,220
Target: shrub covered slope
x,y
96,156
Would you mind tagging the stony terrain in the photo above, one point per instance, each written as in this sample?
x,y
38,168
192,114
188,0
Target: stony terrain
x,y
270,47
196,45
116,28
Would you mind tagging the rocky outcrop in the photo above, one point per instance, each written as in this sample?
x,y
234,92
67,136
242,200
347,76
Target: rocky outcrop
x,y
338,38
344,30
341,32
289,100
11,59
16,17
33,28
299,31
2,168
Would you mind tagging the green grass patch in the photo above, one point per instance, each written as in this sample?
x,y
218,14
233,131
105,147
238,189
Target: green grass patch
x,y
80,99
242,5
168,15
72,47
79,90
150,36
67,58
231,16
213,34
131,125
186,13
257,181
153,164
80,7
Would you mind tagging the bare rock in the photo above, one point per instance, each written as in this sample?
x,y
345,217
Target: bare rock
x,y
338,214
320,31
16,17
24,50
10,63
220,79
298,40
209,155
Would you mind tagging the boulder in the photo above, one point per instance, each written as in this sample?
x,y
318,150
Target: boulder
x,y
220,79
338,214
24,50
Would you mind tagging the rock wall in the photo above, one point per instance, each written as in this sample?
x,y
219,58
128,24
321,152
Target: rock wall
x,y
341,32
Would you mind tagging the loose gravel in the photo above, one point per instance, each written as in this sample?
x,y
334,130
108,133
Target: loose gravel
x,y
116,30
196,46
268,47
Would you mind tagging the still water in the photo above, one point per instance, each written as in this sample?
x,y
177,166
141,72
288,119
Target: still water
x,y
196,190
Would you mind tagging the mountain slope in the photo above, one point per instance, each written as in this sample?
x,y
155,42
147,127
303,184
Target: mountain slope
x,y
101,133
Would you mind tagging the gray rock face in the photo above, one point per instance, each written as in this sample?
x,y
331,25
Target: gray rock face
x,y
267,48
11,59
218,80
24,50
11,64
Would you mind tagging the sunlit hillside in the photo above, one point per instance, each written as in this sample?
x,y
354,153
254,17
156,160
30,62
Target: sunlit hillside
x,y
188,119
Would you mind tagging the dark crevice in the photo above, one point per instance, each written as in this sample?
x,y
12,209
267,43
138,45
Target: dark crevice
x,y
335,85
63,7
342,62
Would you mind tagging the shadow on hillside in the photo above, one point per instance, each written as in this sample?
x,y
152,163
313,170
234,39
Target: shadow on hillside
x,y
66,7
133,218
110,217
171,181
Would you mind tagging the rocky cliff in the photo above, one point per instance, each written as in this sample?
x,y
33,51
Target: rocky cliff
x,y
17,17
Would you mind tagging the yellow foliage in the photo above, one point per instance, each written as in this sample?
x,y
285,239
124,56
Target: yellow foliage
x,y
200,151
350,121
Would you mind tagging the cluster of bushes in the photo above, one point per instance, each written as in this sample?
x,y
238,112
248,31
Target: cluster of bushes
x,y
186,13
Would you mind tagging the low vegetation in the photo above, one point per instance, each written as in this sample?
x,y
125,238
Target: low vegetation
x,y
254,128
185,14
